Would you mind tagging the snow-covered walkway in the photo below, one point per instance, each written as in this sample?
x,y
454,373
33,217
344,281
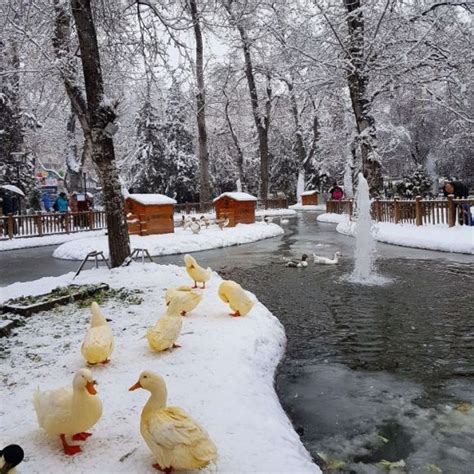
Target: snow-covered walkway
x,y
440,237
222,375
182,241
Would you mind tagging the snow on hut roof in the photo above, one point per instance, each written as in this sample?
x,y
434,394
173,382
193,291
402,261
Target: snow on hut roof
x,y
237,196
308,193
151,199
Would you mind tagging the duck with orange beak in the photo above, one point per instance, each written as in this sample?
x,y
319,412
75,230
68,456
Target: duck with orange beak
x,y
69,411
176,441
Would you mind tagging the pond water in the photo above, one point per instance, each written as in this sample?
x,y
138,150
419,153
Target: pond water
x,y
371,373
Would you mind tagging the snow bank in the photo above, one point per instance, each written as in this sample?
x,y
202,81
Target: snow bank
x,y
309,207
222,375
152,199
332,218
182,241
432,237
237,196
28,242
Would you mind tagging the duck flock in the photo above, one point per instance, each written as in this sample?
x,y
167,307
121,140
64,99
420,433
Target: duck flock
x,y
174,438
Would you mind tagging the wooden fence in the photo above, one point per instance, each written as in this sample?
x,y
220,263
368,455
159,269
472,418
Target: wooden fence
x,y
197,208
418,211
37,225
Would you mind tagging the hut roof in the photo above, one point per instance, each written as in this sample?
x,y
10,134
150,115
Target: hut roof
x,y
308,193
237,196
151,199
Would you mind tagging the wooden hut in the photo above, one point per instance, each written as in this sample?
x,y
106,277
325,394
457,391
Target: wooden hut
x,y
238,207
310,198
149,214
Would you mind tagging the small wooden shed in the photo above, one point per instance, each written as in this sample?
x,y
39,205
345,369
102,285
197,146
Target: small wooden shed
x,y
149,214
310,198
238,207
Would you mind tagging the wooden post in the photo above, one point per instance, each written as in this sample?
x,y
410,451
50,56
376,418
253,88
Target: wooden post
x,y
451,211
351,206
396,210
66,222
39,224
418,211
378,210
328,206
91,219
10,226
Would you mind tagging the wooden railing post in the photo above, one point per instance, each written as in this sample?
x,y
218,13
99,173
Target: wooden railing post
x,y
328,206
378,210
418,211
39,224
396,210
10,226
91,219
351,206
66,222
451,211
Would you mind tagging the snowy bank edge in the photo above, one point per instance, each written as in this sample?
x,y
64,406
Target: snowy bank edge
x,y
178,243
283,448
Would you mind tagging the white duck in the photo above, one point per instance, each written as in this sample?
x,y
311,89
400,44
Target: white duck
x,y
69,411
267,219
236,297
174,438
195,226
196,272
164,334
99,341
190,298
221,223
326,260
284,221
298,263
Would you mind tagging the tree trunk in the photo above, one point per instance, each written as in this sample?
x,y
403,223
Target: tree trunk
x,y
205,186
73,169
240,154
99,115
358,81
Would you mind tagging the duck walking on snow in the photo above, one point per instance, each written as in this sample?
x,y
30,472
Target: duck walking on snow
x,y
298,263
325,260
196,272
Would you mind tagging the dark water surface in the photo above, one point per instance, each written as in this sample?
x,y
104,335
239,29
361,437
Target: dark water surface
x,y
371,374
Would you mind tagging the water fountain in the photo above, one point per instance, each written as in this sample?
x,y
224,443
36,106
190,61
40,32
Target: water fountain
x,y
364,256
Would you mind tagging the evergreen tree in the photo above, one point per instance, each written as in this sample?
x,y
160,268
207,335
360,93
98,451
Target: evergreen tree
x,y
418,184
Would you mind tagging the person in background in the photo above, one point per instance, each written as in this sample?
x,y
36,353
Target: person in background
x,y
336,192
62,203
456,188
46,200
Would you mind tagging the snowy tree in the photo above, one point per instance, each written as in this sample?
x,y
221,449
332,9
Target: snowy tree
x,y
417,184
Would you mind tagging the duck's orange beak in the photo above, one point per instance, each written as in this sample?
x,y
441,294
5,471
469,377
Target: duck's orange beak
x,y
90,388
134,387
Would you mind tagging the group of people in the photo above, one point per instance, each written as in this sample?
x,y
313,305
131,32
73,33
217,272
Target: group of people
x,y
64,204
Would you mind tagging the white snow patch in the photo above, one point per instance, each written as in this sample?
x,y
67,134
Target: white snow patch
x,y
440,237
309,193
222,375
332,217
182,241
237,196
151,199
308,207
28,242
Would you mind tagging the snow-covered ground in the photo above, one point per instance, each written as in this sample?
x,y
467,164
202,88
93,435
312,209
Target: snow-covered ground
x,y
259,213
222,375
332,218
300,207
431,237
28,242
182,241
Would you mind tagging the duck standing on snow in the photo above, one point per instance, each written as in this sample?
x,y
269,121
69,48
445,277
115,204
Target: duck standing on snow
x,y
195,226
298,263
164,334
190,298
327,261
174,438
204,221
196,272
99,341
232,293
69,411
267,219
221,223
10,456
